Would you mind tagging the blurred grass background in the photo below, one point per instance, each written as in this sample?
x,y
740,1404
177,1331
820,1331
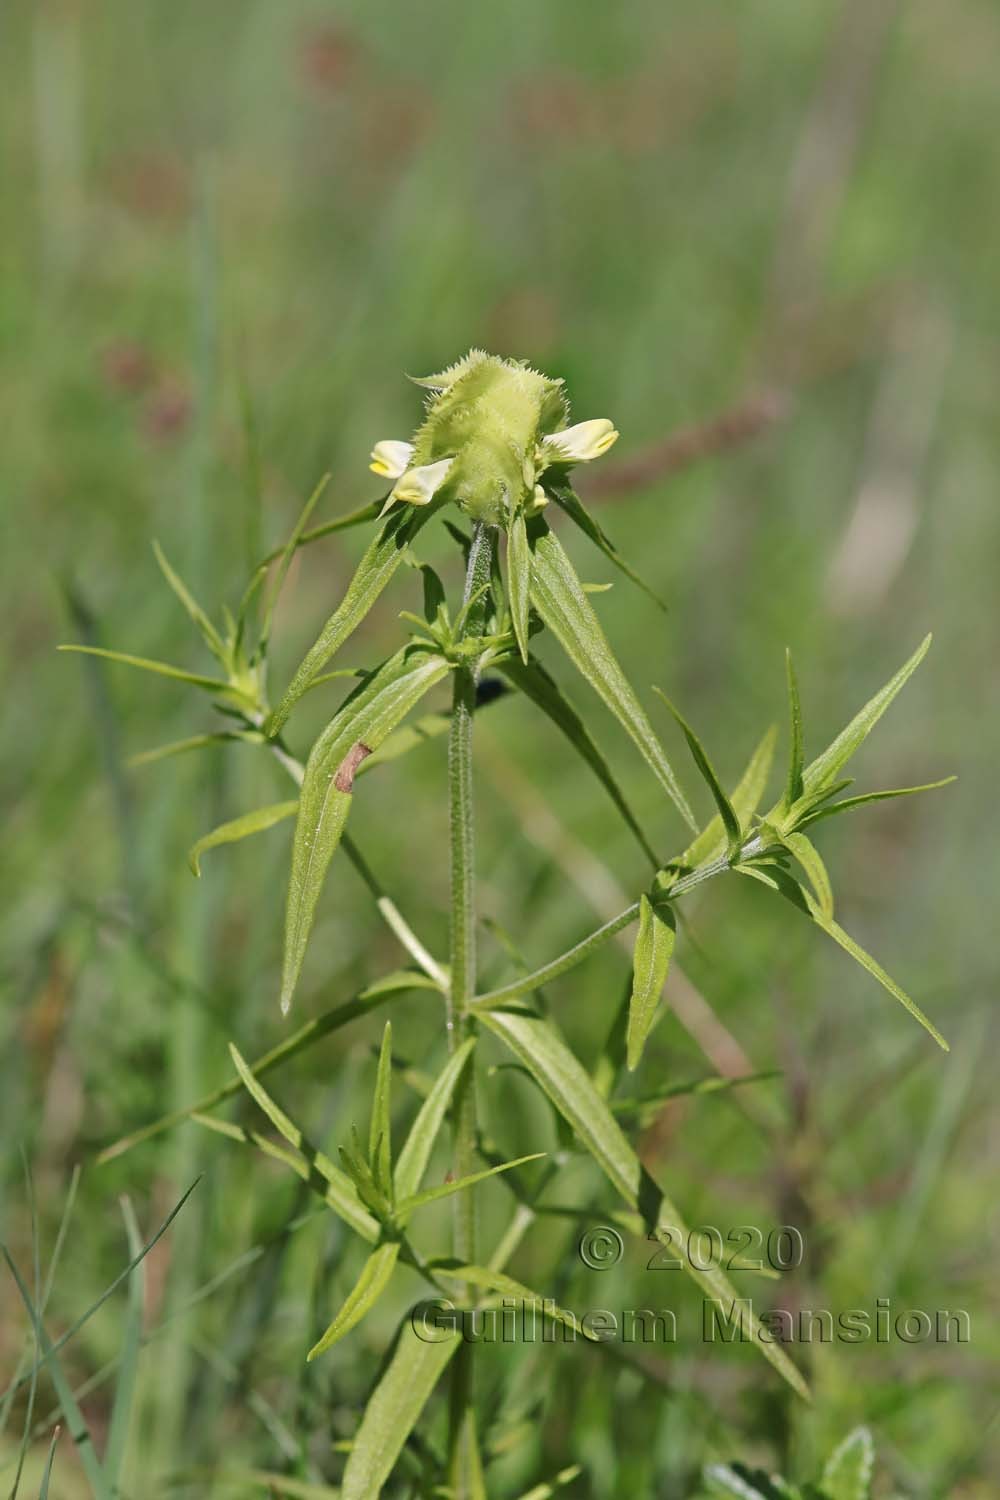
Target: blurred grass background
x,y
760,238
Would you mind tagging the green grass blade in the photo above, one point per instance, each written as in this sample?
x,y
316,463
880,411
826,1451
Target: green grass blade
x,y
730,822
213,640
164,669
543,690
380,1134
447,1189
826,766
78,1429
374,571
43,1492
548,1488
566,1082
284,563
567,498
192,742
121,1411
368,1288
559,597
849,1469
394,1408
240,828
399,982
711,843
519,580
654,945
74,1328
371,712
415,1155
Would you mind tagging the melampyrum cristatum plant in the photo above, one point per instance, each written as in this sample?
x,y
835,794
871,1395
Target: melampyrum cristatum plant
x,y
493,459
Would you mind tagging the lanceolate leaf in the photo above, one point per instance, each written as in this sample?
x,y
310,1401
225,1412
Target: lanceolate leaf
x,y
654,945
793,784
848,1472
498,1281
196,614
415,1155
380,561
543,690
163,668
559,598
379,1140
711,842
730,822
361,724
240,828
367,1290
825,767
317,1161
564,494
562,1077
809,858
847,803
394,1408
519,579
431,1195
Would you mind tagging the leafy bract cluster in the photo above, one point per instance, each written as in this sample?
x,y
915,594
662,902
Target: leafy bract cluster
x,y
847,1475
495,442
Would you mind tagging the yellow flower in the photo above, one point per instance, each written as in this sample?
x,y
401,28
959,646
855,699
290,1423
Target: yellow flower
x,y
580,443
418,486
391,458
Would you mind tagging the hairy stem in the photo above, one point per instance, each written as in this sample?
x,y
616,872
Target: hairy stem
x,y
465,1464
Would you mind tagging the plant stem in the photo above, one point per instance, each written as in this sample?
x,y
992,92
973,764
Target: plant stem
x,y
465,1464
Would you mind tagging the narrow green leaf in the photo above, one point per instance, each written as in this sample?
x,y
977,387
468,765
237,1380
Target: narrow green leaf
x,y
730,821
390,987
793,785
317,1161
78,1429
349,519
196,614
825,767
240,828
361,724
394,1409
459,1185
413,1159
849,1469
562,1077
379,1139
337,1193
654,945
874,968
711,843
407,738
811,861
567,498
43,1493
368,1288
379,563
164,669
128,1358
559,1481
519,580
847,803
543,690
285,562
559,598
192,742
499,1281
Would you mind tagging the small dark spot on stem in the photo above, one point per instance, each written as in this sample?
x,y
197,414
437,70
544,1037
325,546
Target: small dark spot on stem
x,y
344,779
